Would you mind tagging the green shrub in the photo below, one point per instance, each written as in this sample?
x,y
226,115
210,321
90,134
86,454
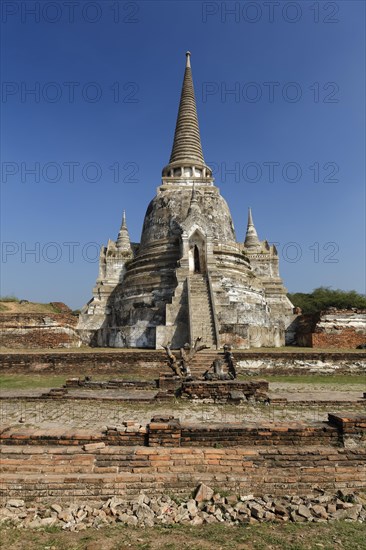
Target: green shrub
x,y
323,297
9,298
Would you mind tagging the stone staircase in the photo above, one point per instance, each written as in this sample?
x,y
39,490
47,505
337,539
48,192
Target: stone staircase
x,y
202,361
201,311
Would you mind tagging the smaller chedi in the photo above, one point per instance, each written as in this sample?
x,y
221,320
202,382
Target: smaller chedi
x,y
112,268
189,277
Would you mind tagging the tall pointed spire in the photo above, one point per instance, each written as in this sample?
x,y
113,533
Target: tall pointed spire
x,y
123,240
250,217
187,141
251,237
186,159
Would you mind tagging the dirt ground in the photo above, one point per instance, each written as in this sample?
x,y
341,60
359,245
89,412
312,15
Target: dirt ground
x,y
339,535
102,407
94,416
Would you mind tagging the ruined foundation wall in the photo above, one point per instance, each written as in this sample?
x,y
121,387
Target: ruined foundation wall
x,y
38,330
125,361
273,461
332,329
347,338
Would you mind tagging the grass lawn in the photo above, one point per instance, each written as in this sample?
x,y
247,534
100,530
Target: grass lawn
x,y
313,536
34,381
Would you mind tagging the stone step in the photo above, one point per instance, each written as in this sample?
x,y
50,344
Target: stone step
x,y
202,324
198,288
201,314
201,319
200,291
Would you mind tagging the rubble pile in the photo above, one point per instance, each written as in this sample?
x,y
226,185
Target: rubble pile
x,y
206,506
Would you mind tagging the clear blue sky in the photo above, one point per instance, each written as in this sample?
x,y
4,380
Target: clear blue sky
x,y
107,88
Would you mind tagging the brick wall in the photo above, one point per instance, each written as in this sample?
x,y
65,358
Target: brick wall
x,y
224,389
63,472
165,456
38,330
138,361
332,329
172,433
347,338
87,363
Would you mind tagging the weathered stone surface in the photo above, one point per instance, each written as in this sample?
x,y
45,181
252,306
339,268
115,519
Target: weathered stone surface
x,y
257,511
245,498
66,516
280,510
94,446
144,514
319,511
192,507
15,503
348,513
203,493
56,507
304,511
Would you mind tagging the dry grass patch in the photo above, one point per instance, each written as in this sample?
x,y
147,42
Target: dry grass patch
x,y
338,535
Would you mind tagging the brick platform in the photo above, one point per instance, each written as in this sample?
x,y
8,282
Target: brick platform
x,y
168,456
225,390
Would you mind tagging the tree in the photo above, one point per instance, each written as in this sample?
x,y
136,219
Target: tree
x,y
324,297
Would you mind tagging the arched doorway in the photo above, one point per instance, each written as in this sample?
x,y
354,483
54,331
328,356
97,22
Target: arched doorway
x,y
197,253
196,257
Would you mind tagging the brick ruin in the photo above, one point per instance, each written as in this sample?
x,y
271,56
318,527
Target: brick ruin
x,y
166,455
333,328
34,330
125,460
152,362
